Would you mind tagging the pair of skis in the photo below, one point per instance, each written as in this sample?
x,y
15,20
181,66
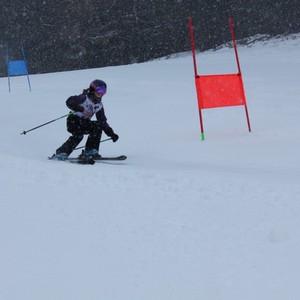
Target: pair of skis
x,y
89,160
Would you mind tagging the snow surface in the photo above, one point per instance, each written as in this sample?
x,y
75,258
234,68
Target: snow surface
x,y
181,218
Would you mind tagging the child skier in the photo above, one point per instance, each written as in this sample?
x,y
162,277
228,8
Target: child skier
x,y
79,122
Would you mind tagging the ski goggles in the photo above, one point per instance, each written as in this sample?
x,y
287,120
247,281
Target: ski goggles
x,y
101,90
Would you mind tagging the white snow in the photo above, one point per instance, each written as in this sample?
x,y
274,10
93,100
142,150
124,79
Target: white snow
x,y
181,218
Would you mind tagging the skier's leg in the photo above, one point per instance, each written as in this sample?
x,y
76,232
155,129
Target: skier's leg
x,y
70,144
94,137
75,126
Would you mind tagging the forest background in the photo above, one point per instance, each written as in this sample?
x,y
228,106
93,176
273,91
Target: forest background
x,y
61,35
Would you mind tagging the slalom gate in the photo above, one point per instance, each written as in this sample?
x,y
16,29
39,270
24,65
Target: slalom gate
x,y
219,90
17,67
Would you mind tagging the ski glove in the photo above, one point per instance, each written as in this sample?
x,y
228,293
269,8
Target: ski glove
x,y
109,132
77,108
81,109
87,113
114,137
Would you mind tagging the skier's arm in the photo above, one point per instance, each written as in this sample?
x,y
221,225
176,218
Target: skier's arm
x,y
101,118
74,103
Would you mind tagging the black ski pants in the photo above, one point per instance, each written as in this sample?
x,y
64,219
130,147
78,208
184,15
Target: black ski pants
x,y
78,127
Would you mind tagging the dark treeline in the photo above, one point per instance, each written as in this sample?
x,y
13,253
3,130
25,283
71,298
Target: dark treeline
x,y
71,34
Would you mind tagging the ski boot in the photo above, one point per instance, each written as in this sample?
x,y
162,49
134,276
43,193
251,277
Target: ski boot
x,y
59,156
93,153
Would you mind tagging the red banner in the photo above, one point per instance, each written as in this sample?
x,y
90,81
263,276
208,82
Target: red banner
x,y
220,90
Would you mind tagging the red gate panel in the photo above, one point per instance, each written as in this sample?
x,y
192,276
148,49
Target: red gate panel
x,y
220,90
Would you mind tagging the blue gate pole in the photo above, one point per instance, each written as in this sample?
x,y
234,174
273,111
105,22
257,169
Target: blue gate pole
x,y
23,51
7,59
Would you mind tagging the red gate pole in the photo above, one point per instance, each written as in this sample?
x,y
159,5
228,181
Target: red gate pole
x,y
193,45
239,69
234,45
195,72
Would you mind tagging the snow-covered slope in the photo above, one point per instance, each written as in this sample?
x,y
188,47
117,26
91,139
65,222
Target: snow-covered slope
x,y
181,218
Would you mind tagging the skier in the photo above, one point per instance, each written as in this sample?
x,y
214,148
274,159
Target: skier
x,y
79,122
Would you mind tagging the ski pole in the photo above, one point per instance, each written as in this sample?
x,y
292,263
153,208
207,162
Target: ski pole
x,y
100,142
25,131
